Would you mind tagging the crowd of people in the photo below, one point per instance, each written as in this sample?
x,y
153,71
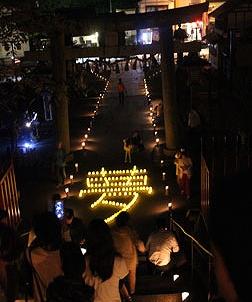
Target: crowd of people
x,y
65,261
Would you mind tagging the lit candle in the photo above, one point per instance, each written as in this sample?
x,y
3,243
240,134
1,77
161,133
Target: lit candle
x,y
71,178
67,191
170,206
83,144
155,133
163,175
166,190
86,136
89,129
157,141
161,162
76,167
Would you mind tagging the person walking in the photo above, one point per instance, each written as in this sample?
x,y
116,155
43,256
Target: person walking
x,y
121,91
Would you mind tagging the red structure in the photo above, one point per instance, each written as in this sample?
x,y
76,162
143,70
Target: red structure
x,y
9,196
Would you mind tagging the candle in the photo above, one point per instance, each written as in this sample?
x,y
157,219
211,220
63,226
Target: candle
x,y
83,144
71,178
163,175
155,133
157,141
170,206
86,136
67,191
161,162
166,190
76,167
89,129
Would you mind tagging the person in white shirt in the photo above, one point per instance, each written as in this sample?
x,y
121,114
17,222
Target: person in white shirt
x,y
105,268
160,245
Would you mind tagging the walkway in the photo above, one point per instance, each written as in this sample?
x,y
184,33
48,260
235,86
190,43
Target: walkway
x,y
104,148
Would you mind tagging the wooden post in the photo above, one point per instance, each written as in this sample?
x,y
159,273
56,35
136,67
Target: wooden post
x,y
168,89
59,75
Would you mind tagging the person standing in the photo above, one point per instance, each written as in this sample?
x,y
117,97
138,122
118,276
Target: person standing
x,y
127,243
186,168
121,91
127,146
60,164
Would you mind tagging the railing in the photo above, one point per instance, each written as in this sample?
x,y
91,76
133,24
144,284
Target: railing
x,y
9,196
200,257
204,188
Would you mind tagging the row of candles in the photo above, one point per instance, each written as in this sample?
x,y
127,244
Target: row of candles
x,y
157,140
86,135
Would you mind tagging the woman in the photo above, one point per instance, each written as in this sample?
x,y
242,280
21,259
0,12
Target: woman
x,y
105,269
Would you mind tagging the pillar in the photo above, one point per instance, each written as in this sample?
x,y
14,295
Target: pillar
x,y
59,75
168,89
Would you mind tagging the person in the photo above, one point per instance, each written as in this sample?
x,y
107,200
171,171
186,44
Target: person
x,y
60,164
180,34
136,140
179,173
105,268
185,165
121,91
73,228
8,269
159,247
127,146
126,242
194,120
43,255
230,225
70,287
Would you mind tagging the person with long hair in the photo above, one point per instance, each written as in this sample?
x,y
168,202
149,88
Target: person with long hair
x,y
105,269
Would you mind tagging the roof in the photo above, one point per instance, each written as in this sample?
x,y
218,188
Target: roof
x,y
228,6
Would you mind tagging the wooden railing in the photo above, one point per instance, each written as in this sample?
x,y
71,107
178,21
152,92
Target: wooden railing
x,y
9,200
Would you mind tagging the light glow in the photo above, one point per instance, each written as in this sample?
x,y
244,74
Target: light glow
x,y
116,184
185,295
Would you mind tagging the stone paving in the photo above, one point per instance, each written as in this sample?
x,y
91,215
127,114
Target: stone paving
x,y
104,148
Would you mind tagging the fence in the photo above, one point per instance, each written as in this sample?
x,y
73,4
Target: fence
x,y
9,196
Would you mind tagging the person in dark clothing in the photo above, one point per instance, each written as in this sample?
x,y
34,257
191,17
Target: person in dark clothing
x,y
73,227
60,164
121,91
70,287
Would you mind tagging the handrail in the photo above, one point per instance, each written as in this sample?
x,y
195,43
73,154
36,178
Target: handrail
x,y
192,238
